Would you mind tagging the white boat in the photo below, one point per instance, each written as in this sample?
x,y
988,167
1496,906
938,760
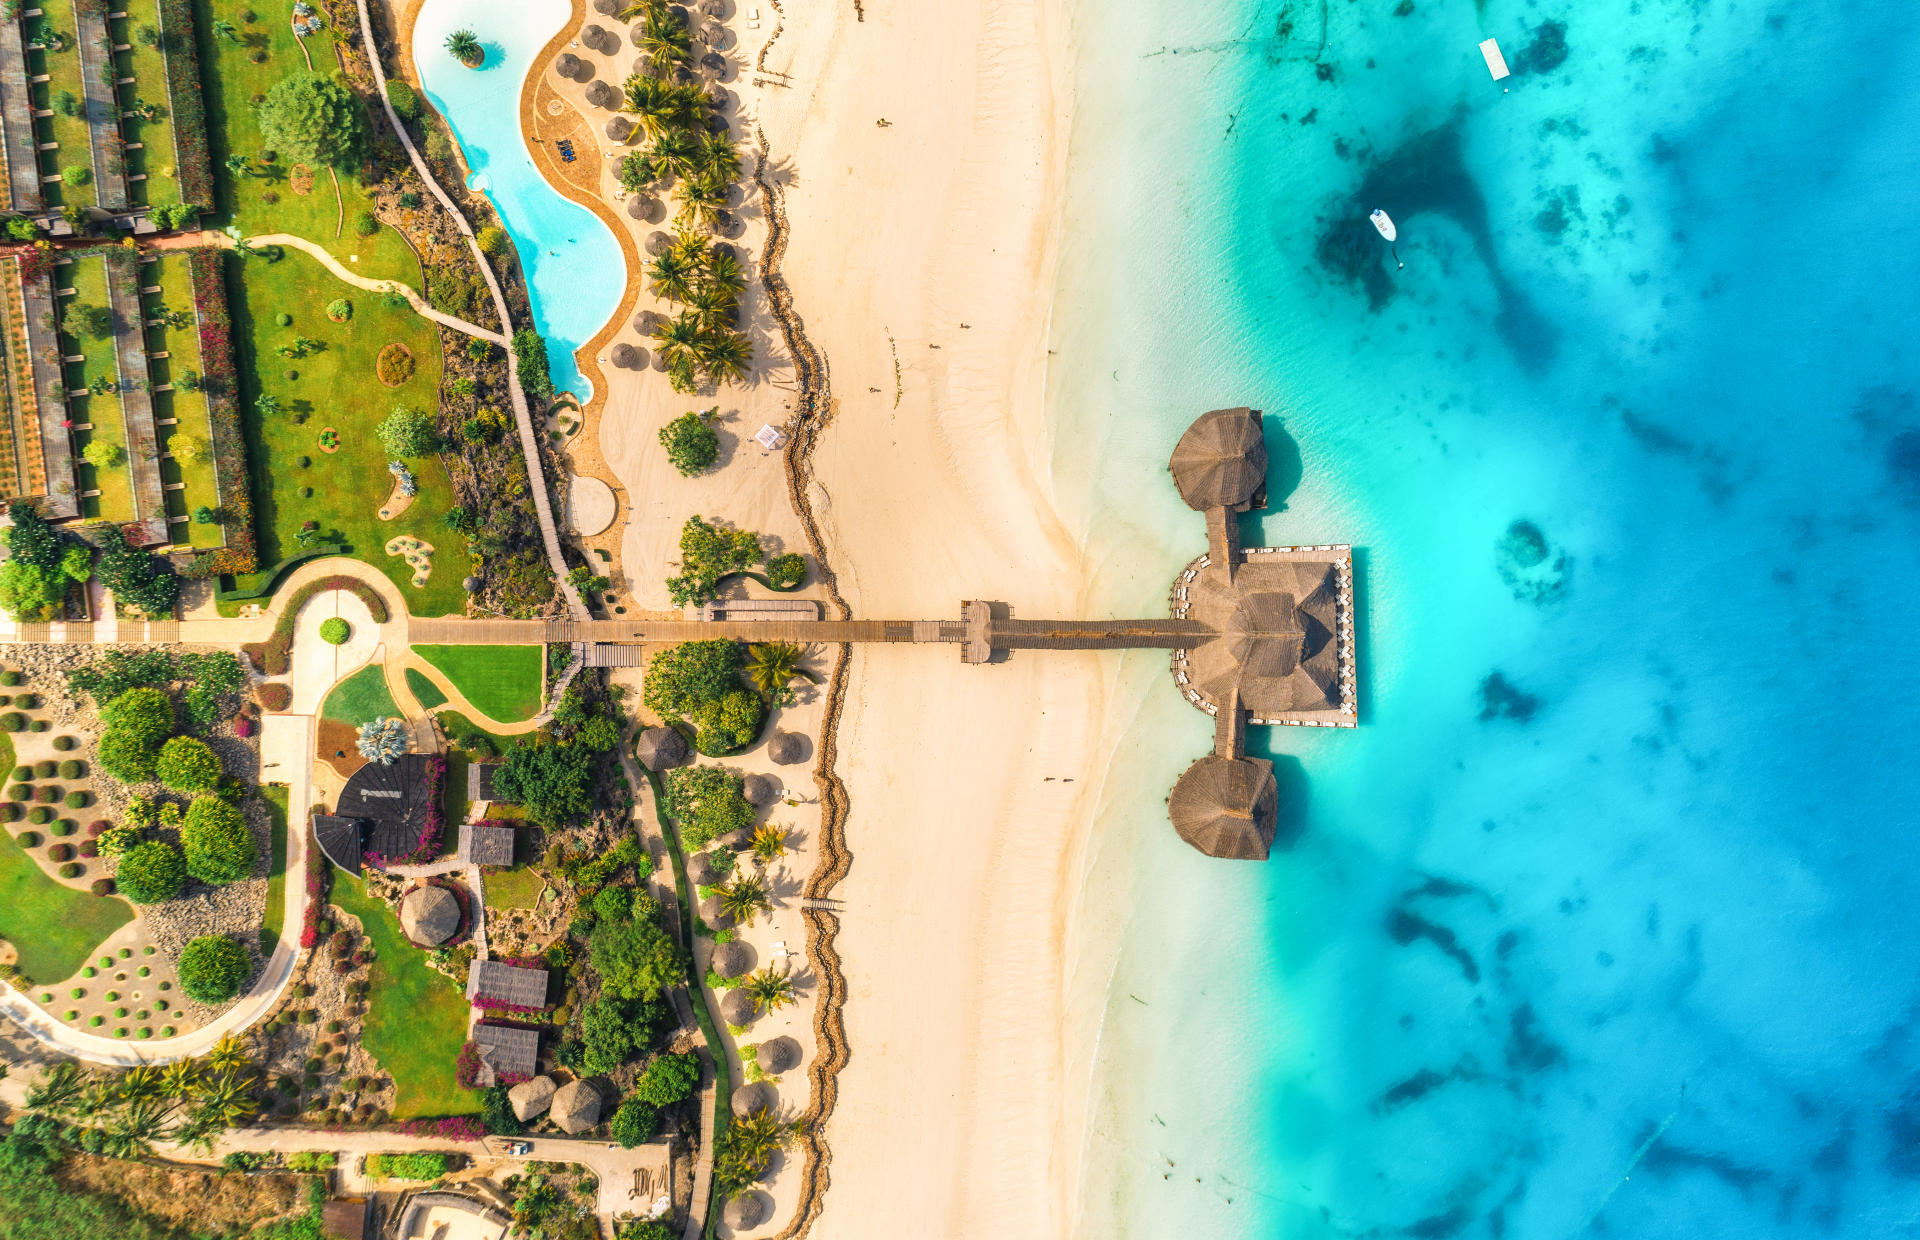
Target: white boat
x,y
1384,222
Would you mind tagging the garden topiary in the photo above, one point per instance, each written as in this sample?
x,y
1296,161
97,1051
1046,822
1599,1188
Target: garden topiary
x,y
306,492
340,309
220,848
65,743
22,774
22,792
335,631
394,366
12,721
45,768
151,872
274,696
72,869
47,794
10,812
283,319
188,765
213,968
102,887
72,768
63,826
28,839
39,815
78,799
10,678
38,725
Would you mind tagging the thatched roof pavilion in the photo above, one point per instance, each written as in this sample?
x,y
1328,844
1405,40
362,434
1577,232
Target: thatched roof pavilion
x,y
567,65
753,1096
638,207
1278,650
714,915
732,959
760,790
736,1008
576,1107
530,1098
618,127
659,361
787,748
626,357
429,915
1225,807
506,1050
601,95
747,1211
781,1054
659,243
661,749
700,871
1221,461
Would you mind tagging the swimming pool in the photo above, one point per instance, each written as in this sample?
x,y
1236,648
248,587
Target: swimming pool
x,y
575,270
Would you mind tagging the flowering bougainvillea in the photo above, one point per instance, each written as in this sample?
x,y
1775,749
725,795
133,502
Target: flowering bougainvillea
x,y
193,167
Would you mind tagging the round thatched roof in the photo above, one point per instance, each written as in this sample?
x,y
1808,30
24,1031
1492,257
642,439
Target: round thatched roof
x,y
736,1007
576,1107
660,749
714,8
713,64
649,322
429,915
626,357
1221,461
747,1211
638,205
761,790
714,915
732,959
594,36
529,1098
584,73
679,11
787,748
735,195
601,95
754,1096
606,8
659,243
781,1054
618,127
727,224
639,36
1225,807
660,361
566,64
720,247
681,75
700,871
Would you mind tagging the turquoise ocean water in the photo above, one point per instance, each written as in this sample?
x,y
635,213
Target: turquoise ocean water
x,y
1602,924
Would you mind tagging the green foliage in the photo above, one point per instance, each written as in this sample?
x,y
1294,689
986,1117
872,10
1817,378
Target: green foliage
x,y
313,120
188,765
530,356
137,722
743,1149
89,320
405,100
728,725
635,1123
29,592
117,840
334,631
220,847
151,872
464,46
312,1160
709,552
497,1113
634,955
686,677
43,559
213,967
788,571
647,1229
691,442
408,432
135,577
612,1029
40,1207
76,174
492,239
406,1166
669,1079
707,803
553,782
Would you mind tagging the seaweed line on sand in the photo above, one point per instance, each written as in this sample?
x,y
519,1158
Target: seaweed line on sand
x,y
829,1030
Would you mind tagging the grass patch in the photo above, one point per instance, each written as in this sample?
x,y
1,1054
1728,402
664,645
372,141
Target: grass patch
x,y
453,723
361,697
147,66
187,409
54,928
416,1018
87,276
336,387
501,682
511,889
276,798
424,689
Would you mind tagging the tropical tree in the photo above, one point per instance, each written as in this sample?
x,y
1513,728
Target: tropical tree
x,y
465,47
702,198
675,154
142,1083
770,991
668,276
313,120
181,1078
58,1088
745,898
141,1123
714,308
725,356
743,1148
769,843
771,665
679,339
718,159
655,105
228,1054
665,42
723,271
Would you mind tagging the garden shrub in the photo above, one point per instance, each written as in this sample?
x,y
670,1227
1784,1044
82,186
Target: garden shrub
x,y
72,768
48,794
335,631
220,847
275,696
72,869
492,239
365,224
62,826
406,1166
787,572
137,722
405,100
60,852
408,432
706,802
339,310
12,721
635,1123
45,768
691,442
151,872
212,968
78,799
102,887
668,1079
28,839
39,815
314,119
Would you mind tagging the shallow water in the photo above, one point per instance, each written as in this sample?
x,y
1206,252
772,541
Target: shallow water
x,y
574,267
1616,941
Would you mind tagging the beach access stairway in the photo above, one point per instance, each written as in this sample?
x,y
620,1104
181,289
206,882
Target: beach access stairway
x,y
136,403
103,106
19,145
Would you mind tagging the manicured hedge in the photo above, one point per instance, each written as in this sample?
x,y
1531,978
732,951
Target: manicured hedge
x,y
193,165
221,388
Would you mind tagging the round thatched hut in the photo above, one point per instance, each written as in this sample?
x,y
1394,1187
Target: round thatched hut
x,y
787,748
747,1211
638,206
596,37
727,224
713,64
626,357
618,127
736,1008
719,248
732,959
601,95
529,1098
659,243
606,8
567,65
781,1054
576,1107
700,871
660,749
1225,807
1221,462
714,915
735,195
429,915
760,790
752,1097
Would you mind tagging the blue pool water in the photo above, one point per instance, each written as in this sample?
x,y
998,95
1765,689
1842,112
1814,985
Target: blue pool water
x,y
1620,942
574,266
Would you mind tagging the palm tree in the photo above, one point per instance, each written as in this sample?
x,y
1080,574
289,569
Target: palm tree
x,y
653,104
724,271
718,159
631,11
666,43
464,46
142,1084
701,200
725,356
227,1054
770,665
669,277
770,991
675,154
679,337
58,1088
769,843
226,30
690,106
181,1078
140,1125
716,307
744,898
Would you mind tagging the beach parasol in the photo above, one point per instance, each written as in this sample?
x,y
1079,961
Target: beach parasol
x,y
626,357
652,323
787,748
601,95
659,748
566,64
659,243
736,1008
781,1054
747,1211
606,8
714,915
618,127
713,64
732,959
761,790
714,8
752,1097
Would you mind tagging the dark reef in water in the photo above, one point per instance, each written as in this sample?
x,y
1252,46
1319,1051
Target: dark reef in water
x,y
1528,563
1424,1082
1407,928
1665,1159
1547,52
1528,1049
1500,698
1428,174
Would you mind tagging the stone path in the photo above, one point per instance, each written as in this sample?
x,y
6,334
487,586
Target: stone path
x,y
23,159
136,404
103,110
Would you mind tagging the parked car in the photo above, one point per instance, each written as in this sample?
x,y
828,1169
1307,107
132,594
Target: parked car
x,y
519,1149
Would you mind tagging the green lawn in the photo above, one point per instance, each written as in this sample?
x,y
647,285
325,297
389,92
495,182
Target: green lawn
x,y
452,722
336,387
453,802
187,409
64,76
416,1018
425,690
361,697
231,80
54,928
276,798
502,682
87,276
147,66
510,889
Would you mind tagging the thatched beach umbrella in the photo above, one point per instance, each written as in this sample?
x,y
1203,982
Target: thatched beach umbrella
x,y
660,749
601,95
727,224
429,915
787,748
659,243
713,64
722,249
606,8
716,36
714,914
638,37
595,37
1225,807
732,959
681,75
618,127
736,1008
679,13
700,871
761,790
781,1054
735,194
660,361
1221,460
714,8
753,1097
626,357
747,1211
529,1098
576,1107
567,64
645,208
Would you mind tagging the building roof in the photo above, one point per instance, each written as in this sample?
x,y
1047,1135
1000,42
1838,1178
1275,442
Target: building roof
x,y
751,1096
394,800
1221,461
344,1218
1226,807
732,959
339,839
507,983
429,915
480,780
660,749
747,1210
530,1098
761,790
576,1107
506,1050
485,843
1276,621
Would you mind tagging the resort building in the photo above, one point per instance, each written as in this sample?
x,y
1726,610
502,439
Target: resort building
x,y
506,1052
494,983
383,810
486,843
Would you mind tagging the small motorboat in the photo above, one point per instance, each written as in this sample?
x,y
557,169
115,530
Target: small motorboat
x,y
1384,223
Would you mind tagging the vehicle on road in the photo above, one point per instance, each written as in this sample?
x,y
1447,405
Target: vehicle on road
x,y
519,1149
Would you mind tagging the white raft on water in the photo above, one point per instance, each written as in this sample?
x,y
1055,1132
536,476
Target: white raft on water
x,y
1384,222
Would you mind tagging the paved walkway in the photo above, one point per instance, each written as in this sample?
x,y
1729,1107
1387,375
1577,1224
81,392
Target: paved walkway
x,y
95,49
136,404
16,116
